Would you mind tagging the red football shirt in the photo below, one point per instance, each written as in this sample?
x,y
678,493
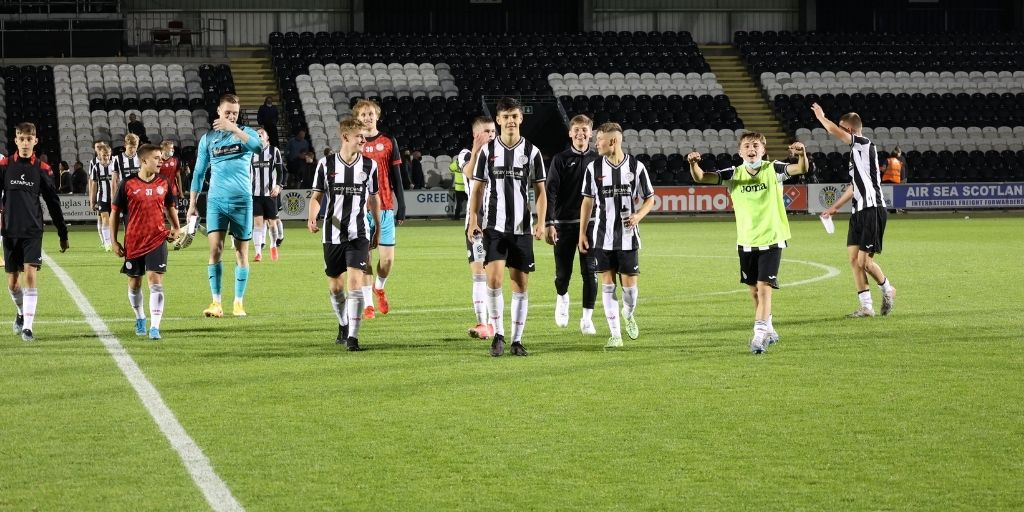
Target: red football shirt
x,y
144,204
383,150
169,170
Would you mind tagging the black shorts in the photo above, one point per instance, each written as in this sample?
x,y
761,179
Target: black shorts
x,y
103,206
867,228
264,206
762,266
516,250
152,261
621,262
338,258
19,252
280,205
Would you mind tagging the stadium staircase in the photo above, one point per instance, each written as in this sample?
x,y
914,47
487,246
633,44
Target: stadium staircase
x,y
746,97
254,80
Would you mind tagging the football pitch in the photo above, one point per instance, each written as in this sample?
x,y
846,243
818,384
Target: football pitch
x,y
920,410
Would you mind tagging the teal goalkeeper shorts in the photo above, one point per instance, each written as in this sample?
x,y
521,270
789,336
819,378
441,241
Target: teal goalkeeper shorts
x,y
233,218
387,226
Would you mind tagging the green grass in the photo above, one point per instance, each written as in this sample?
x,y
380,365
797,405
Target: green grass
x,y
920,410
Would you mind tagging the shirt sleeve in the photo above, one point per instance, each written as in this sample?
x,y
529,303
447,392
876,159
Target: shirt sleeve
x,y
120,198
396,155
724,175
480,173
371,186
279,169
539,172
202,163
320,176
552,185
254,144
589,183
642,187
780,170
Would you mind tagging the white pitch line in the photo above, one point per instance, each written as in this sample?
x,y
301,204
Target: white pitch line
x,y
216,492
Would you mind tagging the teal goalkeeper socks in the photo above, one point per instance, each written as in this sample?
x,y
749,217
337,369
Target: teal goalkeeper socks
x,y
241,280
215,271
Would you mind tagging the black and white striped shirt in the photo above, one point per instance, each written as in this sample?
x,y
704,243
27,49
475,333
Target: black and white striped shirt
x,y
346,188
615,189
127,167
101,175
463,159
508,173
267,171
865,174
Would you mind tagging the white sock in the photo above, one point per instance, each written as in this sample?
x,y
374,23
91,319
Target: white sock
x,y
355,305
761,327
101,230
480,298
280,230
258,236
771,327
588,315
381,281
367,295
135,301
611,309
31,299
272,233
156,304
886,286
629,294
520,305
496,309
105,235
865,299
18,296
338,304
564,299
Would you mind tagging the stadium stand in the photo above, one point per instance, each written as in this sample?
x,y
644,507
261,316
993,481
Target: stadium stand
x,y
29,97
173,101
430,85
954,105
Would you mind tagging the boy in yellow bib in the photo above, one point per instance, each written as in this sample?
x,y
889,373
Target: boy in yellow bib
x,y
762,228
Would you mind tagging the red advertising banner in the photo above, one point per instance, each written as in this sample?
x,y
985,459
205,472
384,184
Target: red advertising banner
x,y
716,199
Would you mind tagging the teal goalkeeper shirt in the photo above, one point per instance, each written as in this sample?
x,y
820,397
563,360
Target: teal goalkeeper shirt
x,y
228,160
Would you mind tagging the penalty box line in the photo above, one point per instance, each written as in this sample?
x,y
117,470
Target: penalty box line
x,y
214,489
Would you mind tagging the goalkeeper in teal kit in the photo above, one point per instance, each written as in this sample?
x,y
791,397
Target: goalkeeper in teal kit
x,y
227,152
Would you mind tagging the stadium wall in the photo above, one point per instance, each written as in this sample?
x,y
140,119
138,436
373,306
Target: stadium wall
x,y
814,198
709,21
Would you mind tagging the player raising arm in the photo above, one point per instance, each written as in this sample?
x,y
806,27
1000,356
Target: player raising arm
x,y
867,224
762,228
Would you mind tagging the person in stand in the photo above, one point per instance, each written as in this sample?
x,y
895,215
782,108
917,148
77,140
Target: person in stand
x,y
267,117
